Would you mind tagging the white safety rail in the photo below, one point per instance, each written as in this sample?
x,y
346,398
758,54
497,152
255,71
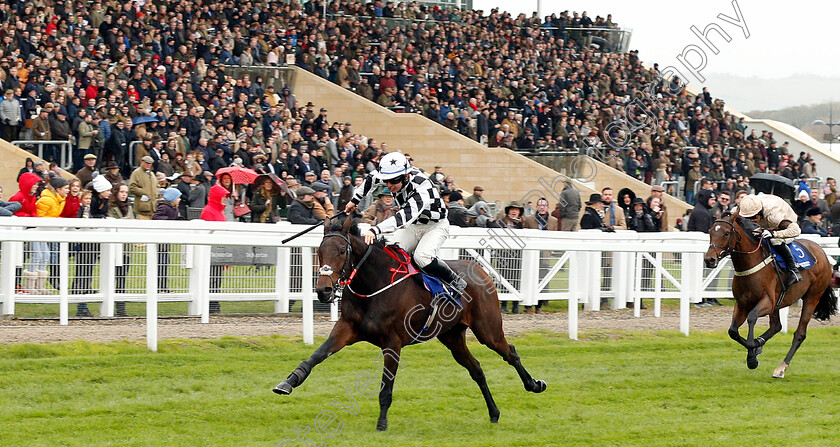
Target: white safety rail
x,y
527,266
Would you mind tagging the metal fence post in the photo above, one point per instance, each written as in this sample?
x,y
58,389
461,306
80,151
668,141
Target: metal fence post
x,y
657,287
151,297
200,282
530,276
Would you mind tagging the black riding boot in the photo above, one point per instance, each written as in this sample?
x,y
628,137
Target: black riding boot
x,y
793,275
441,270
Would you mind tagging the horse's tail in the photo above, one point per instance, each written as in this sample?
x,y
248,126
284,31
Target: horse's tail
x,y
827,305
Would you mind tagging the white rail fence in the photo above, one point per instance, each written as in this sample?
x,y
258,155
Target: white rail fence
x,y
527,265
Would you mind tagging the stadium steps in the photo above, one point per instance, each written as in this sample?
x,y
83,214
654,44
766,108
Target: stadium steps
x,y
504,174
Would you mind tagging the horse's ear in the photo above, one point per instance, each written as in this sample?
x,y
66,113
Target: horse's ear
x,y
348,222
326,225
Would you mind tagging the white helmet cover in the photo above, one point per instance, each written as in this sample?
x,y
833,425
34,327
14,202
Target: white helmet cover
x,y
393,165
750,206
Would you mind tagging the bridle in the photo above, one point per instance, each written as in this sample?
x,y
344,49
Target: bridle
x,y
730,248
343,278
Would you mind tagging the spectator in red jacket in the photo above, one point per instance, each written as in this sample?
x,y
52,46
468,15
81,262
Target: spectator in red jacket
x,y
28,194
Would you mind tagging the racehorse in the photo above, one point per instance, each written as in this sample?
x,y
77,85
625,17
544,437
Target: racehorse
x,y
757,287
381,308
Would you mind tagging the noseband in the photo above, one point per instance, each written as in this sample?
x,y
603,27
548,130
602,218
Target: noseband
x,y
343,279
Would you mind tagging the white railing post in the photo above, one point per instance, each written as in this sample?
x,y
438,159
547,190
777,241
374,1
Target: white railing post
x,y
63,282
107,280
151,297
281,279
574,284
619,279
657,286
637,286
686,278
7,276
200,282
530,276
307,296
582,264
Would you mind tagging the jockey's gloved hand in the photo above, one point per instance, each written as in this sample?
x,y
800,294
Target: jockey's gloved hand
x,y
766,234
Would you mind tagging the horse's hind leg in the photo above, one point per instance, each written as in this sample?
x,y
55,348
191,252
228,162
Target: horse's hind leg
x,y
490,334
342,335
455,340
808,305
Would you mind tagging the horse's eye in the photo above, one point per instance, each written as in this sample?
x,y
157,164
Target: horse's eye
x,y
726,233
342,251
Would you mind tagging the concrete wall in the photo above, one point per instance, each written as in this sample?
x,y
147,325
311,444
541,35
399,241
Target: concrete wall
x,y
504,174
12,160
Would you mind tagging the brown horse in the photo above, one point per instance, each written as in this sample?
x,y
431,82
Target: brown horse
x,y
757,287
378,308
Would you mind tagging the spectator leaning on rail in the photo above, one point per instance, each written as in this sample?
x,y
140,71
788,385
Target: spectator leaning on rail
x,y
779,224
420,226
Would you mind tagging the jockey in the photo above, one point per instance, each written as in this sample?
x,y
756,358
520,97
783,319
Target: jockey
x,y
420,225
778,220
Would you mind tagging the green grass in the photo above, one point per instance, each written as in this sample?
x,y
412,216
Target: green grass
x,y
610,388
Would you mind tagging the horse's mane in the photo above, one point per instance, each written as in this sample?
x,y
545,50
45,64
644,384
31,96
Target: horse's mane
x,y
337,226
745,225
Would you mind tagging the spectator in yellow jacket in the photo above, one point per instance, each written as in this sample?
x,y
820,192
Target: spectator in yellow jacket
x,y
52,200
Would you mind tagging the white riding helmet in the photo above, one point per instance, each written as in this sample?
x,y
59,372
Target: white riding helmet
x,y
393,165
750,206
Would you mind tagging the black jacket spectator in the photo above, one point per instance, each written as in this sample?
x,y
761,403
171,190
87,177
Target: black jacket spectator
x,y
302,213
591,220
701,218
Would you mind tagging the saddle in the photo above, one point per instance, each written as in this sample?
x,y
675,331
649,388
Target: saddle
x,y
407,266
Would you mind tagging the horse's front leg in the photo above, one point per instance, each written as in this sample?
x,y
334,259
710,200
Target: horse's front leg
x,y
343,334
764,307
739,315
390,363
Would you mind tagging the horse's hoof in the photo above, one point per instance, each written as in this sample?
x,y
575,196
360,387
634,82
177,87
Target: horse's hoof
x,y
494,419
752,362
539,386
283,388
382,425
779,375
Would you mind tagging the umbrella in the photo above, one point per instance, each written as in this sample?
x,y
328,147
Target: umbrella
x,y
239,174
144,119
279,184
773,184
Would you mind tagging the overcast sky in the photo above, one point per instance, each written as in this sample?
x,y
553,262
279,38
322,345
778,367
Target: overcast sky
x,y
784,41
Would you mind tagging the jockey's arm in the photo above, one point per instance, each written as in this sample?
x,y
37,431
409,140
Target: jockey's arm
x,y
420,200
361,192
787,229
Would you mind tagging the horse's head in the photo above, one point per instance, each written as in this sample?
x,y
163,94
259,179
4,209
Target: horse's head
x,y
336,256
726,237
722,239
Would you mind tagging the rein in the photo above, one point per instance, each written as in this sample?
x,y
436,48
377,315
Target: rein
x,y
338,286
729,249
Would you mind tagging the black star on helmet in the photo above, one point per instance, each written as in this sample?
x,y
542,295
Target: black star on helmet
x,y
393,161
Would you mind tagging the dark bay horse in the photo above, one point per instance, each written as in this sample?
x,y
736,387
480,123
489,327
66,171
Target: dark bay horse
x,y
757,287
378,308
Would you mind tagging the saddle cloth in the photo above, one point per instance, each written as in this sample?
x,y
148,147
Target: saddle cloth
x,y
434,285
804,260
